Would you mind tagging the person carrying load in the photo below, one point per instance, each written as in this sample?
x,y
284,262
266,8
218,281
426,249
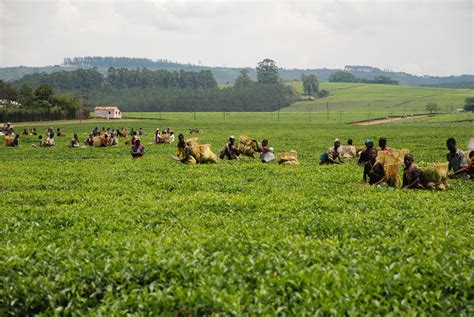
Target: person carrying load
x,y
188,154
383,145
365,155
374,170
180,151
411,174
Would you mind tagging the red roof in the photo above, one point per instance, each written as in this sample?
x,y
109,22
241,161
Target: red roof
x,y
106,108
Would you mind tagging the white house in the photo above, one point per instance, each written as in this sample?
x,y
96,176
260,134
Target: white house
x,y
108,112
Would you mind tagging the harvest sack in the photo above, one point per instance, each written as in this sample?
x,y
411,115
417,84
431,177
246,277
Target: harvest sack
x,y
193,141
392,157
203,154
248,146
470,145
347,151
435,176
288,158
391,172
9,140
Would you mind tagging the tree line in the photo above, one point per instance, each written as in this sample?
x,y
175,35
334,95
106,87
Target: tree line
x,y
254,97
27,104
346,77
120,77
120,62
160,90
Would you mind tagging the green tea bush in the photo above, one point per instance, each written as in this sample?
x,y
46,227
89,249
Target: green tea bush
x,y
91,231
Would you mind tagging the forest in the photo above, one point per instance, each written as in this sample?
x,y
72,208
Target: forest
x,y
142,89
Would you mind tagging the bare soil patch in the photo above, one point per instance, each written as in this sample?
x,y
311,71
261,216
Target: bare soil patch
x,y
387,120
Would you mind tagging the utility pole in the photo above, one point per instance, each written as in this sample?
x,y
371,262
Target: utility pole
x,y
327,110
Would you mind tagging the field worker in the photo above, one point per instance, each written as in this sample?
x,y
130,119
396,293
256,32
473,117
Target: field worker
x,y
75,141
90,140
171,139
112,141
181,146
188,155
141,132
349,151
9,128
411,173
135,137
468,170
33,131
49,131
25,132
383,145
332,155
59,132
137,150
157,137
364,156
373,169
42,143
230,150
267,155
16,140
50,140
457,160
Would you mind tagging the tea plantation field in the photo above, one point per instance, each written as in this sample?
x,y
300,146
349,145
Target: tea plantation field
x,y
373,100
91,231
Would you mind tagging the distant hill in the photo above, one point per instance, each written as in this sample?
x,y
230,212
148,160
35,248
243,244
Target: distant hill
x,y
229,74
377,100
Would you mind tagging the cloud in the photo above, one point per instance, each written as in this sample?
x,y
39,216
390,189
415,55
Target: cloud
x,y
425,37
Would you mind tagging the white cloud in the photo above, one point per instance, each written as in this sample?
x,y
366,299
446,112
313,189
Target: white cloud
x,y
423,37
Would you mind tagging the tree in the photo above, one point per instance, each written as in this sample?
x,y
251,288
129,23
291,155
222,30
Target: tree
x,y
43,92
267,72
310,84
8,91
344,77
244,79
432,107
25,95
469,104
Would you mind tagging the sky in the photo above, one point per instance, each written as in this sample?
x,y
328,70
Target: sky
x,y
418,37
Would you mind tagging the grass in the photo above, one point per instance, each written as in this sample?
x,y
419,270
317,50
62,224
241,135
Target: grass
x,y
91,231
382,100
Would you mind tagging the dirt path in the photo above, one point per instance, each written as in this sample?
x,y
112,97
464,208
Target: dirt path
x,y
389,120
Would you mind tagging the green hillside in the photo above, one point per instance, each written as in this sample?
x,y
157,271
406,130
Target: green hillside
x,y
381,100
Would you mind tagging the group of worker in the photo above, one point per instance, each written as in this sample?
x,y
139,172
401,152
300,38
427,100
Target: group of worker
x,y
230,151
374,171
165,136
